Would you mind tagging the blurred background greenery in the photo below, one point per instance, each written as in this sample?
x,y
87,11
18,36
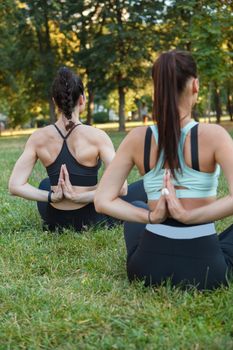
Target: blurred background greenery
x,y
112,44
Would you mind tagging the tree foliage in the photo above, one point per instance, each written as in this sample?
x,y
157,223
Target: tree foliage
x,y
111,44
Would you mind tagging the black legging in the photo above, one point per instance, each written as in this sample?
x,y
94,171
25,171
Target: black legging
x,y
204,262
80,219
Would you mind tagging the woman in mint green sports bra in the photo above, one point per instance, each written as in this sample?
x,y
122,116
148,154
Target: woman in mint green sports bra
x,y
174,237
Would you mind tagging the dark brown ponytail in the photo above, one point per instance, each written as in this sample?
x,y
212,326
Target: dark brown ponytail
x,y
66,90
170,73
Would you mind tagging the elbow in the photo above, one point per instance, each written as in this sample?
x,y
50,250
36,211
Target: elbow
x,y
99,204
123,192
12,189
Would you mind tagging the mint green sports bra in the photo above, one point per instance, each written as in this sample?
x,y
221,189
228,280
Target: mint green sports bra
x,y
197,184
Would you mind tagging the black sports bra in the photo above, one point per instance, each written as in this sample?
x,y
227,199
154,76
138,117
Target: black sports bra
x,y
80,175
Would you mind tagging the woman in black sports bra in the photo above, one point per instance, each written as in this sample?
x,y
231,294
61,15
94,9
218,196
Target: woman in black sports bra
x,y
72,154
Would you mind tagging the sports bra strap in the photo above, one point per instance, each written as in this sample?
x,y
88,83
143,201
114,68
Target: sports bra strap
x,y
59,131
147,147
194,148
68,134
73,127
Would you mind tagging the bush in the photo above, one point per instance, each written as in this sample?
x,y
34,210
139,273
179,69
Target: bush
x,y
101,117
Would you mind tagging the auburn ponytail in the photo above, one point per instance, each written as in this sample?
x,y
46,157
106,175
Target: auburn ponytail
x,y
170,73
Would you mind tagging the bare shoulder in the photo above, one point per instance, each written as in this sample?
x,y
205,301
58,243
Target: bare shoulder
x,y
215,137
212,129
136,137
94,135
136,134
139,131
40,136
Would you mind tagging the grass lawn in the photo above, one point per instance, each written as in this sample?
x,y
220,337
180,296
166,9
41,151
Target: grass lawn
x,y
71,291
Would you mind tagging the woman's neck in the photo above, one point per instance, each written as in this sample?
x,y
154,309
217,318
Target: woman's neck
x,y
75,119
185,120
185,112
185,103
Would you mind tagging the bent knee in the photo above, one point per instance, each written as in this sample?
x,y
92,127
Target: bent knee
x,y
45,184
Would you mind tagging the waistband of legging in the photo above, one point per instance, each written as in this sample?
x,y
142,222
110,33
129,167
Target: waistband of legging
x,y
51,208
175,230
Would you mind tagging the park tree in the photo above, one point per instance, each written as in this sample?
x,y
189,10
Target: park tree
x,y
17,58
204,28
16,53
32,49
42,16
113,41
211,51
83,21
123,48
228,48
113,37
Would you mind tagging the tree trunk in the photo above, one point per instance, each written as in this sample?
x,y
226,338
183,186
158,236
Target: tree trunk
x,y
90,106
188,46
52,113
209,102
46,54
48,39
217,102
229,103
121,93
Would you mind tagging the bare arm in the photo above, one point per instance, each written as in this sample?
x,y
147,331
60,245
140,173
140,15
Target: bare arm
x,y
18,183
222,207
106,198
106,154
85,197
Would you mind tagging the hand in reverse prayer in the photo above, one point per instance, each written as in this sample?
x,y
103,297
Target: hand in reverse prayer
x,y
160,212
66,186
174,206
57,193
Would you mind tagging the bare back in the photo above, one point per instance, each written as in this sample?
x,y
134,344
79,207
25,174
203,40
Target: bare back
x,y
82,143
210,140
85,143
